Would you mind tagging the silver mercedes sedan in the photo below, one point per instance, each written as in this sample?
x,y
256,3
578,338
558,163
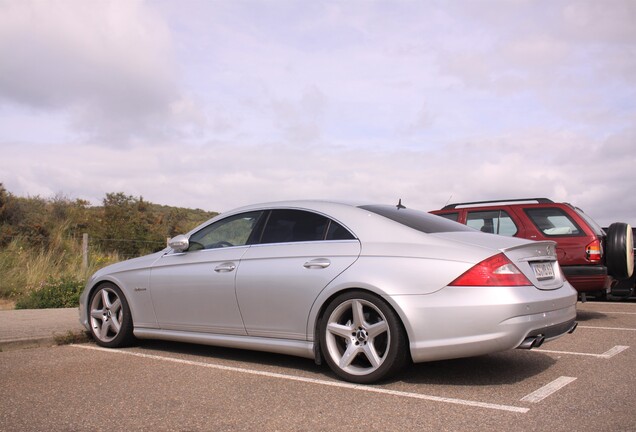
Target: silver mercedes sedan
x,y
364,288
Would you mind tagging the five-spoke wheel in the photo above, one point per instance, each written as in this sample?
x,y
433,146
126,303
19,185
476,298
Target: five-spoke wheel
x,y
362,338
110,320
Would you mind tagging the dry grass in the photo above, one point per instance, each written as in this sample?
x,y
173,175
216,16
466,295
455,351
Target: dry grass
x,y
6,304
26,269
72,338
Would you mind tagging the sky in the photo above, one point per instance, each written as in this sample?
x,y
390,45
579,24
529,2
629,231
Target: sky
x,y
214,104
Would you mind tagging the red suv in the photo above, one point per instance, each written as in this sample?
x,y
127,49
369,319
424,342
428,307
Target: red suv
x,y
591,259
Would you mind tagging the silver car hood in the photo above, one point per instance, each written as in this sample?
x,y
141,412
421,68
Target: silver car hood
x,y
131,264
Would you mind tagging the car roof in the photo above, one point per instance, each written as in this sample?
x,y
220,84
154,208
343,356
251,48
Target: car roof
x,y
363,223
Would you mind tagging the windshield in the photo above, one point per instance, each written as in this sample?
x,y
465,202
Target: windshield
x,y
416,219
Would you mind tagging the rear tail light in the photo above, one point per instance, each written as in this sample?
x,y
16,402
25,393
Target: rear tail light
x,y
594,251
497,270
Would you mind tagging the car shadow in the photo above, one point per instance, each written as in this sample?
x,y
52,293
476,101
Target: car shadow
x,y
501,368
509,367
582,315
231,355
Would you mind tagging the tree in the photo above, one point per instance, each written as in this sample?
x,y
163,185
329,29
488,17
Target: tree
x,y
128,225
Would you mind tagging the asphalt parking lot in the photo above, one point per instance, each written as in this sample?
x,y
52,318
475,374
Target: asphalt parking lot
x,y
581,382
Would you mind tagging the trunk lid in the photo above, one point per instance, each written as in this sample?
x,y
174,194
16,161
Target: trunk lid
x,y
537,260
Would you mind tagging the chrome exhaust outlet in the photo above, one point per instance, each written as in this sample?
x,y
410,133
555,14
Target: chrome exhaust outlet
x,y
574,326
538,341
532,342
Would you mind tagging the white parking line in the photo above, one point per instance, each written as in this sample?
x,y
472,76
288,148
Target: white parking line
x,y
591,306
547,390
606,328
339,384
615,313
606,355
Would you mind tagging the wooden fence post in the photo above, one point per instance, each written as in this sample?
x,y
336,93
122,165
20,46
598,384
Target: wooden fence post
x,y
84,251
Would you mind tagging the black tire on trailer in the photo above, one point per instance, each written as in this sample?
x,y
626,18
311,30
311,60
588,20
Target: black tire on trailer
x,y
619,257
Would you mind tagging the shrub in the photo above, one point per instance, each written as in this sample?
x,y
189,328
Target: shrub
x,y
63,292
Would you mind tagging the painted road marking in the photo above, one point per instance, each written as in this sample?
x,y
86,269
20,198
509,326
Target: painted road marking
x,y
606,355
606,328
548,389
338,384
615,313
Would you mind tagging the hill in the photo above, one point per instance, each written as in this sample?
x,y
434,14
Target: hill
x,y
41,238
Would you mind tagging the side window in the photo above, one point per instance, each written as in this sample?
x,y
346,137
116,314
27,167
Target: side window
x,y
284,226
450,216
492,221
553,222
338,232
231,231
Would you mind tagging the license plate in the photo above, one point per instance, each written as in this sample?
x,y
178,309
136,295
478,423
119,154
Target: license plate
x,y
543,271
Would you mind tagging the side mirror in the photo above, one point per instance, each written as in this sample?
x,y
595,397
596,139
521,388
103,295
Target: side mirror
x,y
179,243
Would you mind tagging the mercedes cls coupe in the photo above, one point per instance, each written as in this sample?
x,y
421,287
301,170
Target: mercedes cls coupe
x,y
364,288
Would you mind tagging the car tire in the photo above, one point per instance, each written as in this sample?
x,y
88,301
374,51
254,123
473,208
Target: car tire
x,y
620,251
109,317
362,338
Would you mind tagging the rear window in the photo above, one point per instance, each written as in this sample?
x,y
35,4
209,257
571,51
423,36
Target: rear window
x,y
418,220
591,222
554,222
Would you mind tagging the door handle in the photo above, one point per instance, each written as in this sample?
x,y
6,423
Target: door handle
x,y
225,267
317,263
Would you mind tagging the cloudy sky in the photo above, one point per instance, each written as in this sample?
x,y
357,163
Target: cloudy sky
x,y
219,103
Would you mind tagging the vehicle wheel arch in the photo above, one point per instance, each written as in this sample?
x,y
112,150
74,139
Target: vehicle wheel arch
x,y
99,283
320,315
127,328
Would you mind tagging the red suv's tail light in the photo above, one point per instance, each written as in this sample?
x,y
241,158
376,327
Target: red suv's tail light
x,y
594,251
497,270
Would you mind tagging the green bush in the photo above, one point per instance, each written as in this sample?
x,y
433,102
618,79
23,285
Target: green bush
x,y
55,293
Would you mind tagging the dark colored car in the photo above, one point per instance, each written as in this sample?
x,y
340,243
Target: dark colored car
x,y
592,259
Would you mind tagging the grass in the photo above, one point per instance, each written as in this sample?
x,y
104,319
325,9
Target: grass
x,y
41,246
51,277
63,292
72,338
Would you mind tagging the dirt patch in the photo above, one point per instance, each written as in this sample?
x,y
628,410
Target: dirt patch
x,y
7,304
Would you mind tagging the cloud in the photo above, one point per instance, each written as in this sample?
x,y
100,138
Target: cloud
x,y
109,65
221,105
221,175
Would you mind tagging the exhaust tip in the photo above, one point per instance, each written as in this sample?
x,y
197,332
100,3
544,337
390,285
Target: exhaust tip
x,y
532,342
574,326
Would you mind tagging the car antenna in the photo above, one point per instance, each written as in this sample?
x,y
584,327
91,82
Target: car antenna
x,y
399,204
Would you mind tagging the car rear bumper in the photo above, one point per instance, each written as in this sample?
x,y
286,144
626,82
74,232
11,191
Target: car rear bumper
x,y
587,278
454,322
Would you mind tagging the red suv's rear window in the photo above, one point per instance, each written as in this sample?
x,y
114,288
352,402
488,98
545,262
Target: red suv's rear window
x,y
592,224
554,222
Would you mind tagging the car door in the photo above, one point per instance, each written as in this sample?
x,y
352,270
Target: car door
x,y
299,253
495,221
195,290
